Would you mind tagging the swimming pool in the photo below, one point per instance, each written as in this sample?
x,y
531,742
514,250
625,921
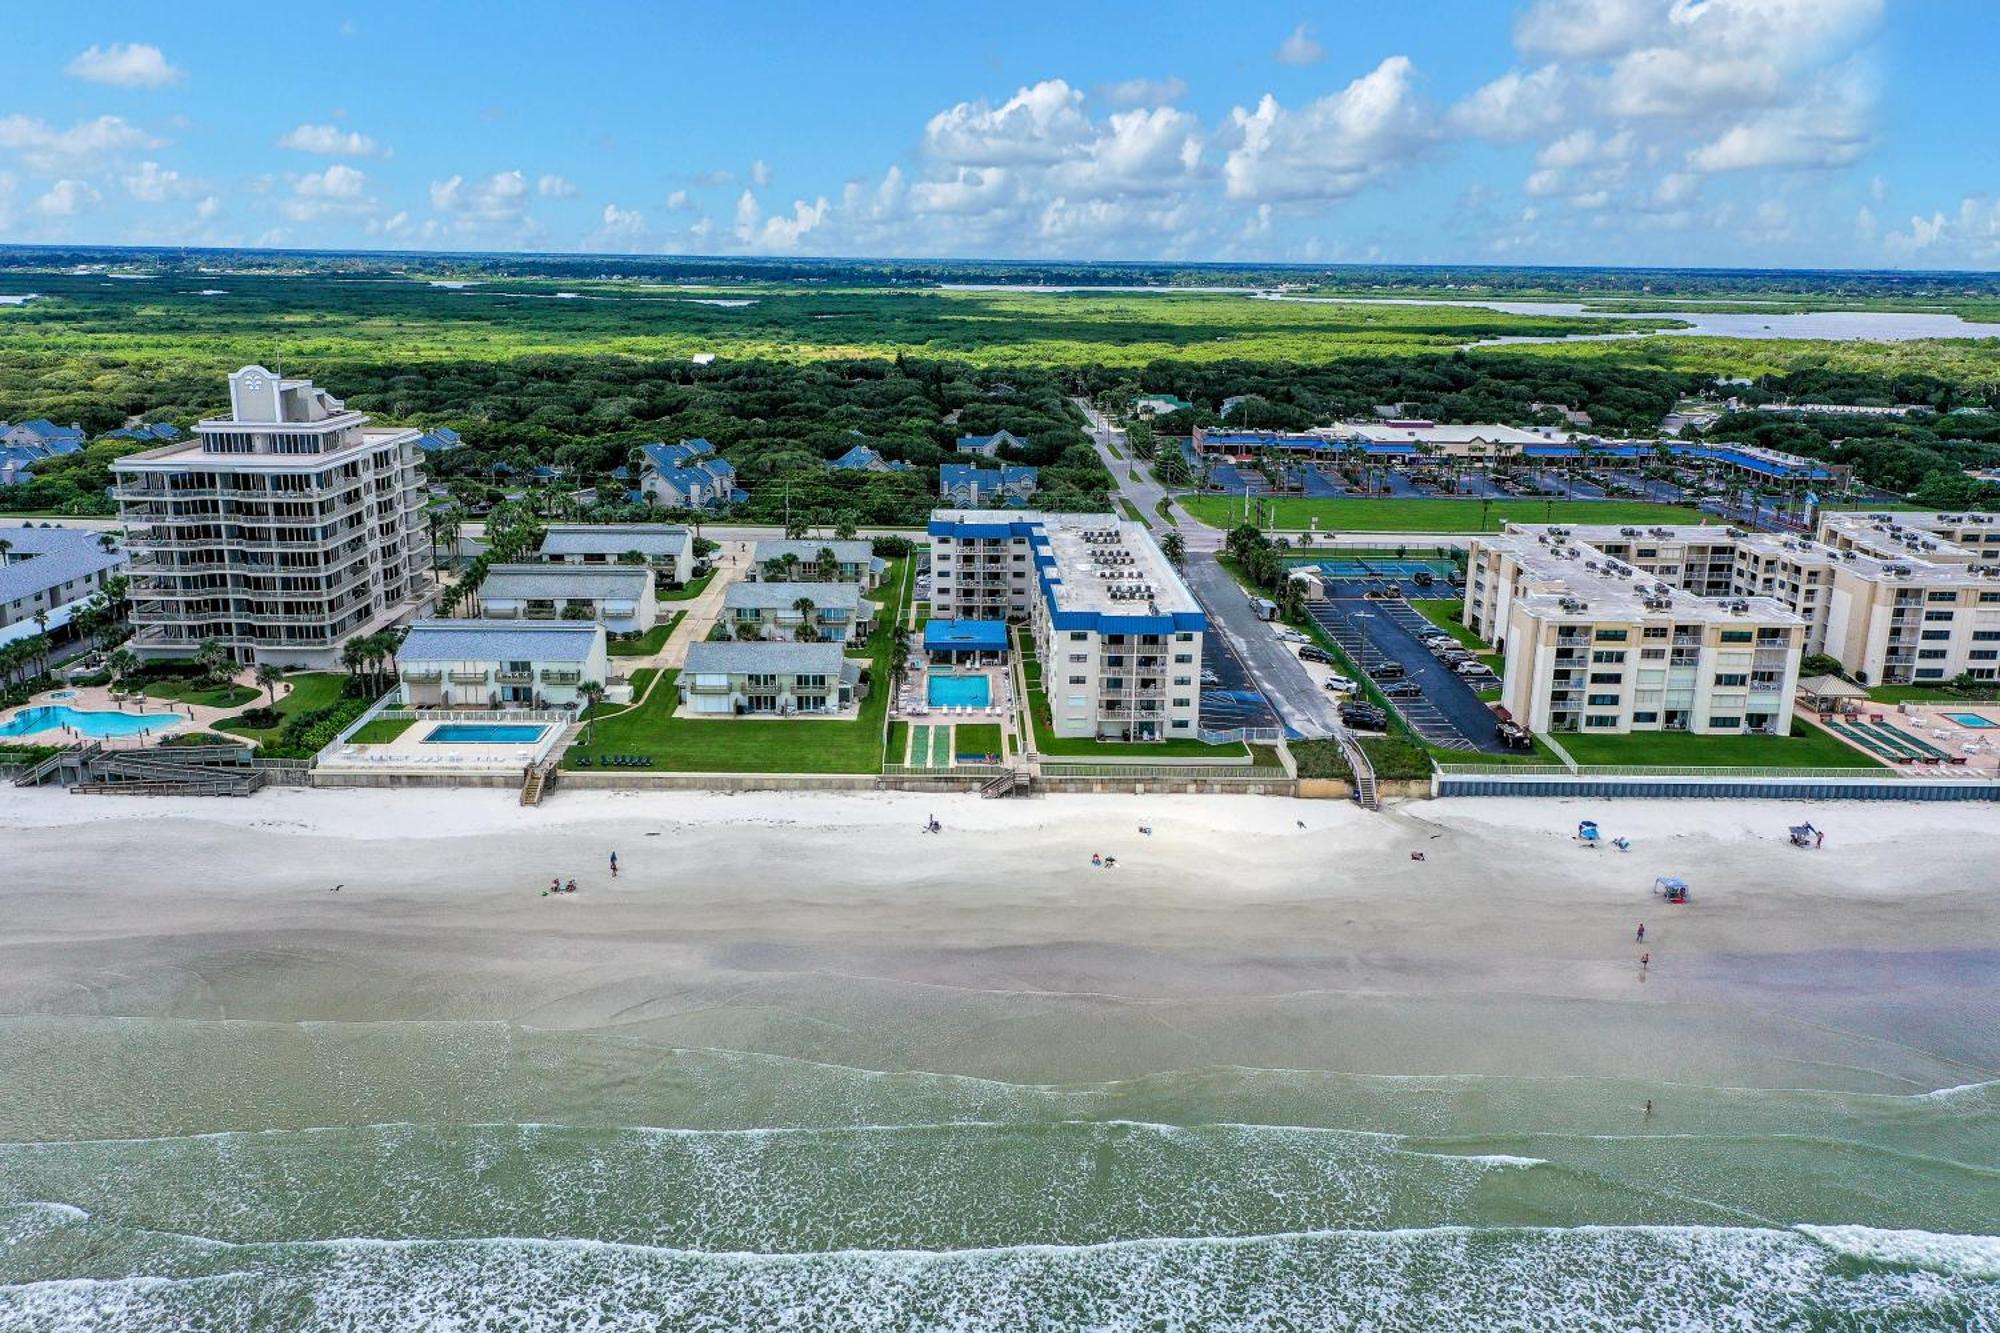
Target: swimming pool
x,y
959,692
1974,720
97,725
483,733
62,694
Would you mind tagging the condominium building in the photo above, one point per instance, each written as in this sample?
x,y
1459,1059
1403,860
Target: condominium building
x,y
809,560
838,612
1594,644
667,547
618,597
1896,598
500,664
1119,636
48,575
769,679
281,530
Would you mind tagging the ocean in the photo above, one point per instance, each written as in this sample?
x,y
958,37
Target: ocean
x,y
168,1174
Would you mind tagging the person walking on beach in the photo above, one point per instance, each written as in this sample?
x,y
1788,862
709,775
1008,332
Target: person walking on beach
x,y
1645,961
1649,1108
614,865
1642,931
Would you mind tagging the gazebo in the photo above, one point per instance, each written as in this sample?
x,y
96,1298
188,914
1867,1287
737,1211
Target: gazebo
x,y
1825,693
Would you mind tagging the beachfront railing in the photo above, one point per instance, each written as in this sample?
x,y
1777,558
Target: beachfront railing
x,y
1455,770
1267,735
945,771
1169,772
502,714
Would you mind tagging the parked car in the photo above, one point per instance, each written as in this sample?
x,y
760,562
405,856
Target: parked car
x,y
1402,689
1388,671
1473,667
1294,636
1312,653
1338,682
1371,719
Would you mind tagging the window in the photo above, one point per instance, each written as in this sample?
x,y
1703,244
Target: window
x,y
1077,659
1986,636
1638,718
1737,636
1183,638
1731,679
1725,723
1941,597
1607,678
1654,632
1182,703
1936,634
1933,654
1600,719
1078,635
1183,659
1183,680
1079,680
1607,657
1181,724
1651,654
1611,635
1939,615
1603,701
1982,655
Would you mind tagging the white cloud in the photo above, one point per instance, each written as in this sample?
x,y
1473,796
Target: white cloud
x,y
1042,123
760,173
124,65
498,202
1143,92
1301,48
153,184
554,187
1969,235
1514,106
338,189
82,147
67,198
1330,148
1585,29
208,208
680,202
620,226
330,141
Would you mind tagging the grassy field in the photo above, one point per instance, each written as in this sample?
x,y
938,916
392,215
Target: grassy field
x,y
1363,515
688,591
752,745
1444,612
1930,694
648,643
1806,747
976,738
310,690
381,731
225,695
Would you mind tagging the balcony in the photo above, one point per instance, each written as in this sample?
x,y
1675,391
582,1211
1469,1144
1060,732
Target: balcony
x,y
422,675
552,676
514,677
468,677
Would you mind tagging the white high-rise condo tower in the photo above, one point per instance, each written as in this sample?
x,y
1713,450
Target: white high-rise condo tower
x,y
281,530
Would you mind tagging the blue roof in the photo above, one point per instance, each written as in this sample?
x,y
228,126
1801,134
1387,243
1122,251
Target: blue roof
x,y
858,458
970,635
971,474
666,457
441,440
159,432
998,437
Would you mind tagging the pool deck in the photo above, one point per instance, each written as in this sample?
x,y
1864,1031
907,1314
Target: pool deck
x,y
99,699
1929,725
410,753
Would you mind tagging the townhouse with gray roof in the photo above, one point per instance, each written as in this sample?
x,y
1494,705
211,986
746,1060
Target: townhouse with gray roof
x,y
618,597
500,664
723,679
839,613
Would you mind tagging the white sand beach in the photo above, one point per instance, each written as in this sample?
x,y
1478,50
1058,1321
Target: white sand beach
x,y
803,1065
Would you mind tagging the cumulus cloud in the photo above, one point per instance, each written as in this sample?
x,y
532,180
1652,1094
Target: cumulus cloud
x,y
338,189
497,202
554,187
1691,88
330,141
1330,148
124,65
67,198
152,183
1042,123
1301,48
760,173
619,228
1970,234
82,147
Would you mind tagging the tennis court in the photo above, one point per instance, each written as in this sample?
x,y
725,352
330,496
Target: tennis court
x,y
1382,569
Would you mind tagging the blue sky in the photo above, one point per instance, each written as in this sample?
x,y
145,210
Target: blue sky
x,y
1848,133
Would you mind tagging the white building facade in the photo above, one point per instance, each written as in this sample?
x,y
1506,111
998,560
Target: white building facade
x,y
500,664
281,530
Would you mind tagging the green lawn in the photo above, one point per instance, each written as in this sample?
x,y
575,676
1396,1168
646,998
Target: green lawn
x,y
694,587
310,690
1132,512
648,643
1806,747
381,731
225,695
1357,514
1929,694
976,738
899,743
753,745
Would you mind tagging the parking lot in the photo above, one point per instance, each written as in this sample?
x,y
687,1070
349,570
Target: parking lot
x,y
1448,712
1232,699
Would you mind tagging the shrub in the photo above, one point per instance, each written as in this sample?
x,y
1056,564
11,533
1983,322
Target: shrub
x,y
262,718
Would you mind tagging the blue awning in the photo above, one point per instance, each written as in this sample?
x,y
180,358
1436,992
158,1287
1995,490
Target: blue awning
x,y
966,635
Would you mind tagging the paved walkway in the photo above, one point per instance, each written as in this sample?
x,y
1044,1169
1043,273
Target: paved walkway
x,y
700,613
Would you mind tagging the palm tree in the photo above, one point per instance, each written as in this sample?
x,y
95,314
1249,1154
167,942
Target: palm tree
x,y
352,655
121,665
214,659
1174,548
804,606
791,563
5,547
827,563
107,541
268,677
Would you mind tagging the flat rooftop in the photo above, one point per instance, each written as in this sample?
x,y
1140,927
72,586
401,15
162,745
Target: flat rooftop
x,y
1877,557
1100,562
1571,580
189,453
